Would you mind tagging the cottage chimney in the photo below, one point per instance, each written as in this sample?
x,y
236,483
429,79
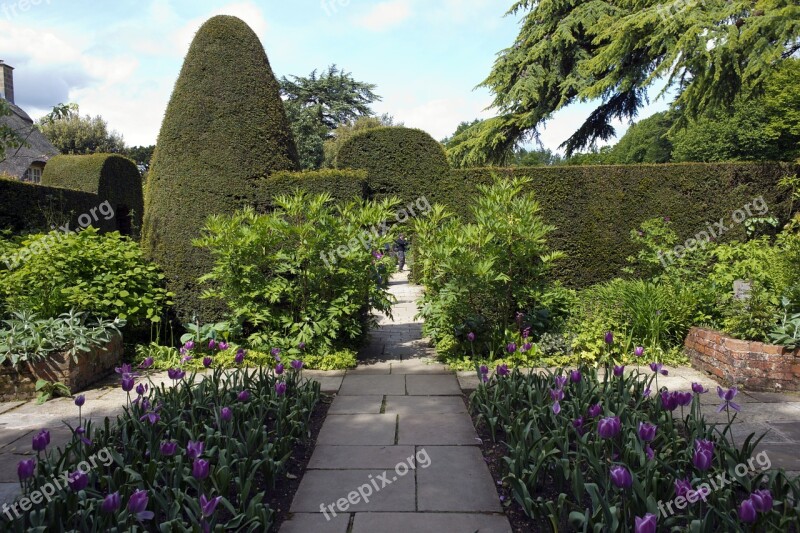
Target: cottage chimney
x,y
6,81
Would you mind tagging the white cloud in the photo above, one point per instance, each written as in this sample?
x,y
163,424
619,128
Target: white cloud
x,y
385,15
439,117
247,11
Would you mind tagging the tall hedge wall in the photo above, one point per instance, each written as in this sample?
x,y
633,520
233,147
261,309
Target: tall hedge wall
x,y
595,207
110,176
342,185
399,161
25,207
224,130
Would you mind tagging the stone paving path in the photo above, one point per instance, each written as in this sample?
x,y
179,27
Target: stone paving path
x,y
397,408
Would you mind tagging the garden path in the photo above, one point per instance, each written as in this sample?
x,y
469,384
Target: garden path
x,y
398,407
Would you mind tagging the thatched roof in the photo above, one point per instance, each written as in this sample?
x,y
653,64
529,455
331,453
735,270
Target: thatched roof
x,y
38,148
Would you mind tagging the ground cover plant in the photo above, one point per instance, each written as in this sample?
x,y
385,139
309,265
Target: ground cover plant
x,y
205,455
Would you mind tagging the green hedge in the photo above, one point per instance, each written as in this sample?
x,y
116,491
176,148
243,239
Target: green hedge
x,y
111,177
342,185
224,130
26,207
595,207
399,161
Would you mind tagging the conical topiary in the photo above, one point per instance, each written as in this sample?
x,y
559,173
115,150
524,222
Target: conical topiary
x,y
225,128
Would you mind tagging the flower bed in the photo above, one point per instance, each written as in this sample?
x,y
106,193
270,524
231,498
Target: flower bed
x,y
19,383
752,365
205,455
613,452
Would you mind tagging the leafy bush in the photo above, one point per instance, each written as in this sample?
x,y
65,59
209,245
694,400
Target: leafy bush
x,y
103,275
304,273
223,439
787,333
27,338
485,278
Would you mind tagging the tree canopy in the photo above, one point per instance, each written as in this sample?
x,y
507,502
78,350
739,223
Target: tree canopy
x,y
613,51
74,134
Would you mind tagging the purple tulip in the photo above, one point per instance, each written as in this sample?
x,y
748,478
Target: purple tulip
x,y
683,398
502,370
595,410
127,383
151,417
147,363
649,452
223,346
578,423
621,477
189,346
243,396
511,347
41,440
279,369
297,365
556,395
702,459
207,362
618,371
484,370
747,512
185,359
200,468
638,351
682,487
647,431
609,428
168,448
137,506
658,368
275,352
194,449
762,500
111,503
471,337
698,388
77,481
556,407
124,370
609,337
727,397
668,401
80,400
560,381
212,344
25,468
575,376
280,388
239,357
301,346
646,524
526,332
208,506
141,389
527,347
226,414
175,374
646,392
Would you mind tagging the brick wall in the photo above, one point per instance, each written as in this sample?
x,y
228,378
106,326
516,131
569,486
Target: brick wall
x,y
20,384
751,365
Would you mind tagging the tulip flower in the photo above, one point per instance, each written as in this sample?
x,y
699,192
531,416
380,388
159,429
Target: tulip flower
x,y
185,359
77,481
142,388
502,370
638,351
609,428
645,524
280,388
127,383
527,347
223,346
747,512
41,440
275,352
297,365
26,468
658,368
556,395
471,337
226,414
208,506
484,370
621,477
649,452
212,344
609,338
147,363
301,346
175,374
80,400
111,503
575,376
279,369
137,506
194,449
189,346
511,347
647,431
595,410
243,396
702,459
556,407
151,417
619,371
578,423
727,397
239,357
207,362
200,468
682,487
668,401
560,381
698,388
683,398
125,370
762,500
168,448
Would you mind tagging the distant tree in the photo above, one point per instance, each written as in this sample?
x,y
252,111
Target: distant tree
x,y
534,158
318,104
596,156
462,127
141,155
645,141
72,133
340,135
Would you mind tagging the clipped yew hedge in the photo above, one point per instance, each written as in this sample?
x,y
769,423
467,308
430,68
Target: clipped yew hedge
x,y
399,161
342,185
111,177
224,130
594,208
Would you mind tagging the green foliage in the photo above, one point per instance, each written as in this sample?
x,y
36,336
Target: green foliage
x,y
71,133
112,178
751,318
486,277
317,105
225,128
201,334
400,162
27,207
48,390
572,51
343,132
304,273
341,185
645,142
26,338
103,275
787,333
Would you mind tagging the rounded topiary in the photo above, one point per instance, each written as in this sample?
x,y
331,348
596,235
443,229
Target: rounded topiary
x,y
399,161
113,178
225,128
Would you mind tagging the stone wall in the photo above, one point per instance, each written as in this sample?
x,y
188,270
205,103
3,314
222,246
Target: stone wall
x,y
751,365
20,384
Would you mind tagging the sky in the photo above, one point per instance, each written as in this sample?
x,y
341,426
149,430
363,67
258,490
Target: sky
x,y
119,59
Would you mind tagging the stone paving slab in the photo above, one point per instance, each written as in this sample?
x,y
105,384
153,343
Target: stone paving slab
x,y
316,523
359,457
330,487
436,429
430,523
419,366
429,385
378,368
355,405
370,385
7,406
453,483
414,405
367,430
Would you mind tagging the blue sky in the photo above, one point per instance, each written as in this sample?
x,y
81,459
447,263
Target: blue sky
x,y
120,60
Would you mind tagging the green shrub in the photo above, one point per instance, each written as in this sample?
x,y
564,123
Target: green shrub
x,y
341,185
400,161
224,130
111,177
304,273
103,275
